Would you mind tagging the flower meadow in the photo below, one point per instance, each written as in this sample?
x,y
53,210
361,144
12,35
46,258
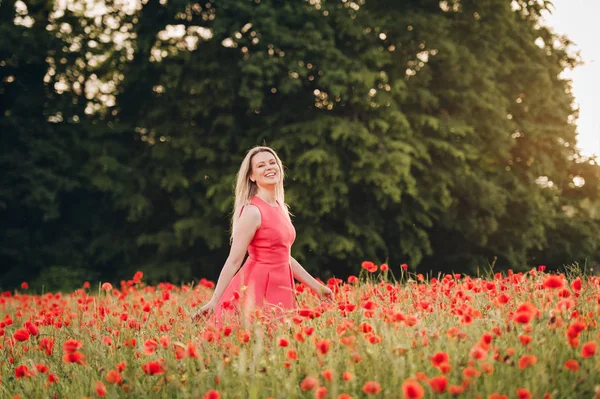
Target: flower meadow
x,y
512,335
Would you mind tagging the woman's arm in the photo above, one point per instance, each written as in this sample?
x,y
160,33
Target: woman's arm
x,y
245,229
305,278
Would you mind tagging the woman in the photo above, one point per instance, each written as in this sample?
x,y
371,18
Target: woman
x,y
261,226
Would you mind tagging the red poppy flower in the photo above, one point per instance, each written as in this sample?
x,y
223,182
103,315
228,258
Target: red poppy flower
x,y
369,266
75,357
113,377
371,387
347,376
72,345
523,393
411,389
553,282
456,389
121,366
212,394
527,361
439,384
309,383
22,371
283,342
100,389
152,368
323,346
33,329
321,393
576,284
292,354
589,349
327,375
47,345
21,334
522,317
439,358
150,345
572,365
525,339
41,368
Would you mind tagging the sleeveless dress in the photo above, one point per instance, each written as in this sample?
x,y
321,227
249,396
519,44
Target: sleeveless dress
x,y
265,280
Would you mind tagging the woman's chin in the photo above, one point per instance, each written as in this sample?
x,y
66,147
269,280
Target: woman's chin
x,y
270,183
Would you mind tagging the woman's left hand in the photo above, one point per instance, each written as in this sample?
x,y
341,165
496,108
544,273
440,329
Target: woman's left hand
x,y
326,293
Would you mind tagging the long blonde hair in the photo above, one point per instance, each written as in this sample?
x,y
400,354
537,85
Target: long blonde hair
x,y
246,189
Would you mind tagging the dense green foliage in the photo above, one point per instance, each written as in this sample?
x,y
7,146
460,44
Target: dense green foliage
x,y
439,134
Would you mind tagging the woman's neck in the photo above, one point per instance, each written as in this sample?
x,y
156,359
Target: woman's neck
x,y
268,196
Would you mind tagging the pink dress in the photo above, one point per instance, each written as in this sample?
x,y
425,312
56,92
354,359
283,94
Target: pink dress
x,y
265,280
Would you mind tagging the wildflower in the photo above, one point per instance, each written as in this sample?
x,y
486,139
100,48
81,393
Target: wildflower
x,y
41,368
212,394
72,345
347,376
525,339
321,393
47,345
523,393
292,354
527,361
327,375
522,317
21,335
589,349
576,284
74,357
371,387
150,345
572,365
113,377
100,389
22,371
369,266
323,346
309,383
152,368
439,358
456,389
439,384
411,389
552,282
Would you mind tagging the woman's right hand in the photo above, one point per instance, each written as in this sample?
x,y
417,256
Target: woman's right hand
x,y
204,310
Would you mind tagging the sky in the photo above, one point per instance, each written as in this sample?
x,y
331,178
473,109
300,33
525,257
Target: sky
x,y
578,20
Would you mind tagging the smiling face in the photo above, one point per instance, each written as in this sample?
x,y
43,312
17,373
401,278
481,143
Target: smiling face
x,y
265,170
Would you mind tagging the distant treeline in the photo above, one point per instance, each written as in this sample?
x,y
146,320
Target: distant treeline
x,y
438,134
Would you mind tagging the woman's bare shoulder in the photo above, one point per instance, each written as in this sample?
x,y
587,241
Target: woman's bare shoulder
x,y
250,215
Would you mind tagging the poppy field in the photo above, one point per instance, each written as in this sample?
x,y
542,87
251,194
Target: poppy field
x,y
510,335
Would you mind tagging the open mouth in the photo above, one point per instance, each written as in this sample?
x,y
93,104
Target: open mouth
x,y
270,174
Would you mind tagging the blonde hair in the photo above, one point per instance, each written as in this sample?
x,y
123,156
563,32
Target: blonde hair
x,y
246,189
